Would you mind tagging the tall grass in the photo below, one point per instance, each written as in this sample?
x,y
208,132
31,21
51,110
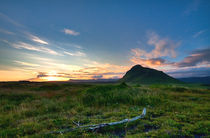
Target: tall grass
x,y
33,109
120,94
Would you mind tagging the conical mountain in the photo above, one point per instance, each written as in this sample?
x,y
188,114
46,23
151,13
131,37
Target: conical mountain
x,y
141,75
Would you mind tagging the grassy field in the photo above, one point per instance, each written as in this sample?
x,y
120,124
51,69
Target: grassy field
x,y
35,109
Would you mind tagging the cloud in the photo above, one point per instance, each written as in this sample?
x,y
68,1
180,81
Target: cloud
x,y
91,70
107,70
53,64
163,47
26,63
201,56
59,66
5,41
97,76
6,32
22,45
77,53
190,72
153,62
36,39
8,19
77,46
195,64
32,37
82,71
198,33
105,67
45,74
70,32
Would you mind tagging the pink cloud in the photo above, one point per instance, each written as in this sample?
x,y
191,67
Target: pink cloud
x,y
163,47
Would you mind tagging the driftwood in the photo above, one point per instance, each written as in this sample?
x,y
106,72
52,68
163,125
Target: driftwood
x,y
98,126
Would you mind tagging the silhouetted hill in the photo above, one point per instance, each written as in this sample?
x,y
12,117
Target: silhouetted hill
x,y
201,80
141,75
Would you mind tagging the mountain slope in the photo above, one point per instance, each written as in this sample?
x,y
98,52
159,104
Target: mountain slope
x,y
138,74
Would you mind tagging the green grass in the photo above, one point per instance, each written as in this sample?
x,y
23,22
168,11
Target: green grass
x,y
34,109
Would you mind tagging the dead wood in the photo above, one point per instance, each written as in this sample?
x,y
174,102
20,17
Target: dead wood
x,y
98,126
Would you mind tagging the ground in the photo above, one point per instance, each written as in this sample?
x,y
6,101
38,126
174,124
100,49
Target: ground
x,y
36,109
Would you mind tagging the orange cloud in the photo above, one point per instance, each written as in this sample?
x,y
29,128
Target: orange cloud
x,y
149,62
163,47
88,70
106,71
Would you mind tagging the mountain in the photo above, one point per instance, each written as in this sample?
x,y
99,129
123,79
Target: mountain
x,y
141,75
201,80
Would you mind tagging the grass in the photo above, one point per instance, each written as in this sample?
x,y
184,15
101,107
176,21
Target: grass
x,y
34,109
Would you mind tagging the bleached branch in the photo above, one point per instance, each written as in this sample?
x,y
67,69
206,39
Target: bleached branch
x,y
98,126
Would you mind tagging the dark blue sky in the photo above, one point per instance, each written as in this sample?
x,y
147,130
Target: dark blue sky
x,y
103,38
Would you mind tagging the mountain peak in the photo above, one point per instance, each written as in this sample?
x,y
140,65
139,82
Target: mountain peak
x,y
136,67
139,74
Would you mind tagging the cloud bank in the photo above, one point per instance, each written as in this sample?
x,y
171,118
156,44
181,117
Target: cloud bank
x,y
197,57
163,50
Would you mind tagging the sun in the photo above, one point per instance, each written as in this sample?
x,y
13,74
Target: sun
x,y
54,76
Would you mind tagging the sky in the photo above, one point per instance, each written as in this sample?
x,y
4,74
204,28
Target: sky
x,y
102,39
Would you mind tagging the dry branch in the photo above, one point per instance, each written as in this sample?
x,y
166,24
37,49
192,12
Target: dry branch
x,y
98,126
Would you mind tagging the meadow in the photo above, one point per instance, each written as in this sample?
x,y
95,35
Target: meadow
x,y
37,109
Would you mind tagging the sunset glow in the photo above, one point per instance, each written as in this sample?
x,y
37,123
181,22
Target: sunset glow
x,y
54,79
50,76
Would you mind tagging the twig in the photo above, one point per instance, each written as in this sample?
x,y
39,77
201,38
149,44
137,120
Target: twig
x,y
77,124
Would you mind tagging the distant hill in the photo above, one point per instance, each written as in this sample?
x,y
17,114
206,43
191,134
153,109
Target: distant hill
x,y
141,75
201,80
94,81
